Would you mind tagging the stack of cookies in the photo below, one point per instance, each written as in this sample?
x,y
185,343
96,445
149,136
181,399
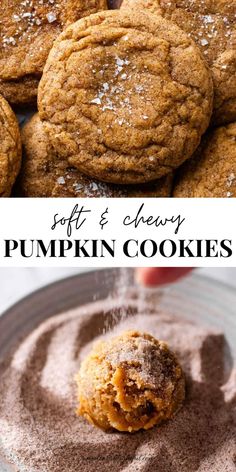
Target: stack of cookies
x,y
127,105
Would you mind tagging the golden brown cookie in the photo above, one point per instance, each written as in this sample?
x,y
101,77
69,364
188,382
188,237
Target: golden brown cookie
x,y
10,148
129,383
125,98
212,170
212,25
27,31
44,174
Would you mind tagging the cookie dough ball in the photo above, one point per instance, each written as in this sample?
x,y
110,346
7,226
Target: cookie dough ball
x,y
10,148
211,24
44,174
28,29
125,98
212,170
129,383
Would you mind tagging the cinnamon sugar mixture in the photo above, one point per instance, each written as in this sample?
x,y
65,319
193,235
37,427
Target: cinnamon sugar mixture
x,y
38,425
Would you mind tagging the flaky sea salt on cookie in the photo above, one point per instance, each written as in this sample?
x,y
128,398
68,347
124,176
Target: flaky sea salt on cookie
x,y
27,31
125,98
212,25
211,172
10,148
45,174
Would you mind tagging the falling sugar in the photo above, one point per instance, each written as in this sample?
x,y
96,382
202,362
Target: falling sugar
x,y
125,290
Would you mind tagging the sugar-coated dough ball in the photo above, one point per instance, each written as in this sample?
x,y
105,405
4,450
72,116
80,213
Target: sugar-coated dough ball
x,y
130,382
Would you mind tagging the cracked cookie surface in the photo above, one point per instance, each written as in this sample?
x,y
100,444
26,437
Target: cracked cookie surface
x,y
125,99
10,148
212,25
27,31
211,172
44,174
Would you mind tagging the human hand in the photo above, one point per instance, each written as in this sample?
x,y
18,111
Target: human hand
x,y
152,276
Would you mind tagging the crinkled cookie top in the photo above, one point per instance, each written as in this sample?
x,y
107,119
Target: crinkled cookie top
x,y
125,98
27,31
212,25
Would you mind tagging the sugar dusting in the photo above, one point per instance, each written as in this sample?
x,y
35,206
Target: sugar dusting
x,y
123,289
120,290
40,430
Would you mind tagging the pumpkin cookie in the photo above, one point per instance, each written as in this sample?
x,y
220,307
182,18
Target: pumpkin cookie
x,y
212,170
10,148
129,383
43,174
125,98
212,25
27,31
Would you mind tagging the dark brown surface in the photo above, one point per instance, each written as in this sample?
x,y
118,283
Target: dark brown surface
x,y
113,4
